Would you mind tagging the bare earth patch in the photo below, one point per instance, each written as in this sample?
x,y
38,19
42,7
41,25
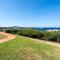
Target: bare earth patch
x,y
8,37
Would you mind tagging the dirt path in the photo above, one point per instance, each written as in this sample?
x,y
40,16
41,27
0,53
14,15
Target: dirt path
x,y
8,37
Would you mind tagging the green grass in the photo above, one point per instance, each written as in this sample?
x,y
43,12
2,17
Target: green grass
x,y
2,36
23,48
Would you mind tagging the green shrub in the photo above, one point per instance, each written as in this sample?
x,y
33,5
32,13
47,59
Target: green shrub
x,y
43,35
8,31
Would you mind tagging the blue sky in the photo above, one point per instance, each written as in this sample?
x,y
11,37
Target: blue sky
x,y
30,13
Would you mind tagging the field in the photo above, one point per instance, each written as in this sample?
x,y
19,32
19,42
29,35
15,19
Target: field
x,y
23,48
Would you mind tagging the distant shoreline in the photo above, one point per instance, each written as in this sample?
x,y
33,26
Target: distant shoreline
x,y
35,28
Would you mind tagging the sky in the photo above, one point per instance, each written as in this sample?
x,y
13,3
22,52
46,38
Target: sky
x,y
30,13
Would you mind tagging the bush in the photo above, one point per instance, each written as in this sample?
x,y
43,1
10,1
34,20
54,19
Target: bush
x,y
30,33
8,31
53,38
44,35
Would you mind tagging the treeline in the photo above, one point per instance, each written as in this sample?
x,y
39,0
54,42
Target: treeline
x,y
43,35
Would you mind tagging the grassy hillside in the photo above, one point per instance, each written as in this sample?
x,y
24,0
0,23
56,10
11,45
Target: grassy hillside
x,y
23,48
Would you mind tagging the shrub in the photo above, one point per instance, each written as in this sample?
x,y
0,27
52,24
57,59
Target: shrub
x,y
8,31
53,38
44,35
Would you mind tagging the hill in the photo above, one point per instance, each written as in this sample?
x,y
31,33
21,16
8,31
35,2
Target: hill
x,y
23,48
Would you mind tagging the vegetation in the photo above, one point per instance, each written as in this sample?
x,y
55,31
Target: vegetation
x,y
23,48
43,35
